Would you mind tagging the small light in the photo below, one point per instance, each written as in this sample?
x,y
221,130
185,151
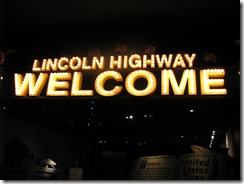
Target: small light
x,y
182,136
1,78
213,132
145,116
131,117
212,137
127,117
191,110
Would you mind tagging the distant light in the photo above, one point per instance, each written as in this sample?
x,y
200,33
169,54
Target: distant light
x,y
192,110
182,136
212,138
1,78
145,116
129,117
239,72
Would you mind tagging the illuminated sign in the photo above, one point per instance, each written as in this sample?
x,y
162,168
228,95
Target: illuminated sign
x,y
65,77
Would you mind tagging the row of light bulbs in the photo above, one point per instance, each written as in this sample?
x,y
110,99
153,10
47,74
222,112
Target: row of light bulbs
x,y
188,75
134,61
133,76
212,138
206,81
58,81
101,79
64,64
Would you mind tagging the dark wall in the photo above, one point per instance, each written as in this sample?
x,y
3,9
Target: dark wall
x,y
42,143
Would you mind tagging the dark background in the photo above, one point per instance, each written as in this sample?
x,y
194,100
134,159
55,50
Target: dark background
x,y
48,29
41,29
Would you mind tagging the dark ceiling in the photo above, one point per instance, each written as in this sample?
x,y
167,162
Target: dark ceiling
x,y
41,29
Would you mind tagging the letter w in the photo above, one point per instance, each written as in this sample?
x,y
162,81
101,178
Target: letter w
x,y
29,83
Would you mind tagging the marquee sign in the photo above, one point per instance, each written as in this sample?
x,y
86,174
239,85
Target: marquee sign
x,y
66,77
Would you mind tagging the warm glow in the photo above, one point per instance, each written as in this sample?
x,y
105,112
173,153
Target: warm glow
x,y
188,75
77,85
164,59
133,76
150,62
135,61
190,59
29,83
211,82
52,65
115,63
56,82
63,64
85,65
75,63
102,78
96,63
36,67
66,77
179,61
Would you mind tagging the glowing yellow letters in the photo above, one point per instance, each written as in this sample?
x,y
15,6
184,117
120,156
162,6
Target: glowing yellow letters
x,y
188,75
102,78
133,76
211,83
64,64
29,82
77,84
209,78
58,83
55,83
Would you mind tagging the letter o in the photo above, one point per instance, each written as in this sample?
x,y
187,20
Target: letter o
x,y
75,63
133,76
